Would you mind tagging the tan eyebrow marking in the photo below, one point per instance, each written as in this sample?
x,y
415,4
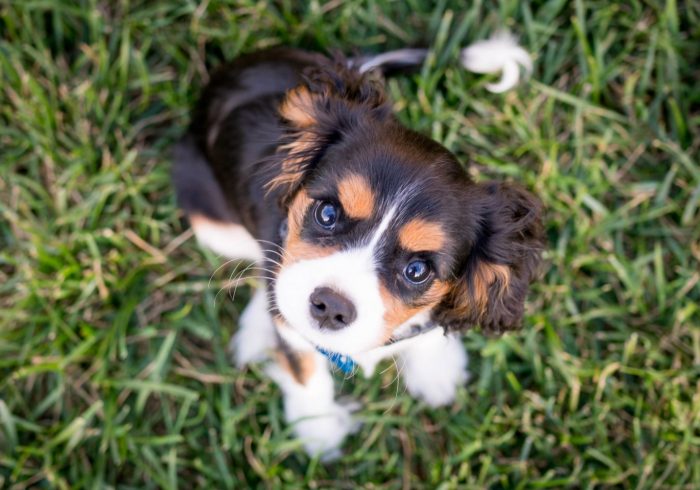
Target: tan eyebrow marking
x,y
421,235
356,196
296,249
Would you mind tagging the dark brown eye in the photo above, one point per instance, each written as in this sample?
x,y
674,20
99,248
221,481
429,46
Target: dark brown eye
x,y
326,214
417,271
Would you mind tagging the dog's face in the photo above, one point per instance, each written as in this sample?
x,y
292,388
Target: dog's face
x,y
385,226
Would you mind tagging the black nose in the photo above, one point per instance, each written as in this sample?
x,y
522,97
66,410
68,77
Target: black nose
x,y
331,309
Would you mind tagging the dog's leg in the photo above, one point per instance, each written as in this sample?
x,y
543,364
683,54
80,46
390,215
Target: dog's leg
x,y
434,367
215,224
255,337
228,239
318,420
256,333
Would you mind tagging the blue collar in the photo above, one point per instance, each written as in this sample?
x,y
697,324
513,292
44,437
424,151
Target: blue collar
x,y
341,361
347,365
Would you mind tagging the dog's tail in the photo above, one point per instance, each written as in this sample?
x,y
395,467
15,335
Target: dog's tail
x,y
500,53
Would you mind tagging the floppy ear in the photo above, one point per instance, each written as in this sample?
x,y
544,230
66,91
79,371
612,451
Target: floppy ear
x,y
333,99
503,259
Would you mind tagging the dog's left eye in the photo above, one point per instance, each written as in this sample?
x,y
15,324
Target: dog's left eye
x,y
417,271
326,214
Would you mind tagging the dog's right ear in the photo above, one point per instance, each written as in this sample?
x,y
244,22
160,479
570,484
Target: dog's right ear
x,y
503,260
333,99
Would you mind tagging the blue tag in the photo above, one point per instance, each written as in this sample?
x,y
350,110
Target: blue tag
x,y
341,361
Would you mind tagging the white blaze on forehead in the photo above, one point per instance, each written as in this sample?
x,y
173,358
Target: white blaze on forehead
x,y
394,212
381,230
353,274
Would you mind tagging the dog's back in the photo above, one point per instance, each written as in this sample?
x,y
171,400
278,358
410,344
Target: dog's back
x,y
235,125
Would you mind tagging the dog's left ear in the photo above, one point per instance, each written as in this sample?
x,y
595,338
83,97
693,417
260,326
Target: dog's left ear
x,y
503,259
333,99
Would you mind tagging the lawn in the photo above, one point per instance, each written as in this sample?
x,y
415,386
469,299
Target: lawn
x,y
114,323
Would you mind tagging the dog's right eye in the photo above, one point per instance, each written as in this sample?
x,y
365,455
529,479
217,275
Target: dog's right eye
x,y
326,214
417,271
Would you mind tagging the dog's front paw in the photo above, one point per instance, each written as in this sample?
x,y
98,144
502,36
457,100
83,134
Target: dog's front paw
x,y
323,434
319,421
438,391
433,372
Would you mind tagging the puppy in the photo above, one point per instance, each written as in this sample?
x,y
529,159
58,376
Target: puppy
x,y
372,238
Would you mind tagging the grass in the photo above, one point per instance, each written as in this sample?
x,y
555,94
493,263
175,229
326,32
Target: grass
x,y
113,370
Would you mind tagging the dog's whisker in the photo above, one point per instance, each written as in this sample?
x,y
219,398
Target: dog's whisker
x,y
263,265
211,277
269,271
269,243
229,281
398,383
280,254
279,249
224,286
233,295
240,279
272,261
384,371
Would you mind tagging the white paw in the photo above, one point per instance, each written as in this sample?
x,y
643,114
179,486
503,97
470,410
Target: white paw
x,y
323,434
256,333
433,371
436,392
319,421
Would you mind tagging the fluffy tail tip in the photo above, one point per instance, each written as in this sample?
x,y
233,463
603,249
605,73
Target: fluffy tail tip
x,y
500,52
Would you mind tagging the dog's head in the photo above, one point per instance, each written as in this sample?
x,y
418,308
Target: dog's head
x,y
385,226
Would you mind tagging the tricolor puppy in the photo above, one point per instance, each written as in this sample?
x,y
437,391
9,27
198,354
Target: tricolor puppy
x,y
372,238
